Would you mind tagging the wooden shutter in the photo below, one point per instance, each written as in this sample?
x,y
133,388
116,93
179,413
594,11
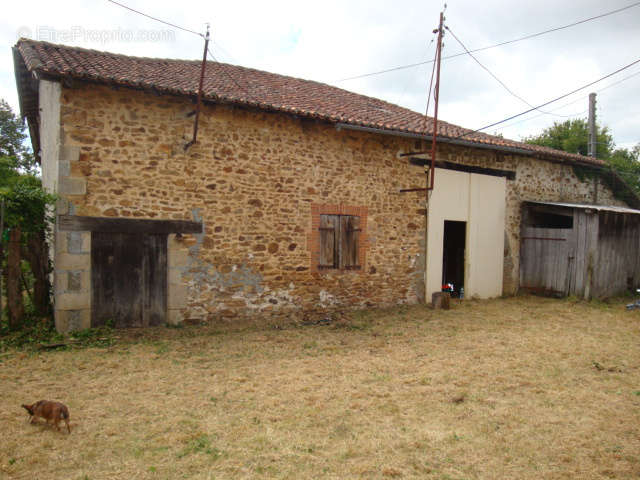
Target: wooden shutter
x,y
329,229
349,239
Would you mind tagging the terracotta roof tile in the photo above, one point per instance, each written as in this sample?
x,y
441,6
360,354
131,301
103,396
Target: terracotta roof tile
x,y
240,85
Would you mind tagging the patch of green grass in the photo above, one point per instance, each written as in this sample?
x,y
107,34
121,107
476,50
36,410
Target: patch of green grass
x,y
33,332
268,470
163,347
94,337
200,444
177,326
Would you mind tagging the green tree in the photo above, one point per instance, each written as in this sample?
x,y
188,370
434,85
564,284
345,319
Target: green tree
x,y
25,207
13,151
573,136
627,163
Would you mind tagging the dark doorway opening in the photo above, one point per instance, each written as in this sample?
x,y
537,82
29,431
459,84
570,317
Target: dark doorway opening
x,y
454,244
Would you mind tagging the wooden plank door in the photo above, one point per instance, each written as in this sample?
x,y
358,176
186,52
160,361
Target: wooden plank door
x,y
128,279
547,260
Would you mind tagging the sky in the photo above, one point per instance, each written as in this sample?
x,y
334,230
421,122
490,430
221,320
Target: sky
x,y
334,40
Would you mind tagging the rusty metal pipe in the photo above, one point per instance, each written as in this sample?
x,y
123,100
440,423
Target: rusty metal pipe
x,y
432,169
199,101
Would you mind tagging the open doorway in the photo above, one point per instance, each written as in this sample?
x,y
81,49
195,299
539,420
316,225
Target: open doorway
x,y
454,244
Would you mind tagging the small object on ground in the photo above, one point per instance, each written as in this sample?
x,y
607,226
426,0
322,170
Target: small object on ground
x,y
459,398
601,367
441,300
49,410
321,321
48,346
448,287
635,305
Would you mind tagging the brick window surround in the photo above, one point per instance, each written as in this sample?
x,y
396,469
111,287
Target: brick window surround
x,y
314,235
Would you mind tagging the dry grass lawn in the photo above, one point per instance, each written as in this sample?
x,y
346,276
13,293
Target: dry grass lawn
x,y
520,388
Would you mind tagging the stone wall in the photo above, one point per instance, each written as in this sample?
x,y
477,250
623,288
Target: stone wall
x,y
253,179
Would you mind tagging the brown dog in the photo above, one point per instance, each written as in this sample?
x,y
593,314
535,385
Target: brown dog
x,y
55,411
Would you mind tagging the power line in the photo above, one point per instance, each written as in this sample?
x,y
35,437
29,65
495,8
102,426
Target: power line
x,y
156,19
533,35
497,79
408,79
224,70
575,101
433,70
542,114
547,103
616,83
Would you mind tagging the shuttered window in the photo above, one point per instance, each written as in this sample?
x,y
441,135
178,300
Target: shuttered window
x,y
339,240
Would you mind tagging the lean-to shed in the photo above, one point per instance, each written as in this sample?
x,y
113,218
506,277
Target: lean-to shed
x,y
589,251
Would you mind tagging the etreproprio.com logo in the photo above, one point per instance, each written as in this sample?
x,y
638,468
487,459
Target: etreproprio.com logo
x,y
85,35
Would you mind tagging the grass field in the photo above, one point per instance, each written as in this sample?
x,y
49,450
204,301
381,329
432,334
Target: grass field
x,y
520,388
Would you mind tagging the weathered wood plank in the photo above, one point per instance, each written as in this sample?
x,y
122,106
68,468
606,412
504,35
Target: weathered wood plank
x,y
128,279
329,229
155,280
545,259
493,172
349,236
580,272
102,279
126,225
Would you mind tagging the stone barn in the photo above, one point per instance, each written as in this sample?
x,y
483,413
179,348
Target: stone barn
x,y
298,198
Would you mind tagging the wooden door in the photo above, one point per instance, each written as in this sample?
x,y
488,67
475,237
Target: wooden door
x,y
547,260
128,279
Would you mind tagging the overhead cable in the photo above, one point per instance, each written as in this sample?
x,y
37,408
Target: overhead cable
x,y
533,35
224,70
511,92
549,102
575,101
156,19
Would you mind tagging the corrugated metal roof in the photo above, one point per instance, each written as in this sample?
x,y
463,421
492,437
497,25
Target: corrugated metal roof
x,y
583,206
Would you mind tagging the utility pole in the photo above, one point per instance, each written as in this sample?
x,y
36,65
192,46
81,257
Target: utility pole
x,y
592,125
593,140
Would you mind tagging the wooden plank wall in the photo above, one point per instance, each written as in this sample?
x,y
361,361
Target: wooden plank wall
x,y
617,266
546,263
598,258
585,226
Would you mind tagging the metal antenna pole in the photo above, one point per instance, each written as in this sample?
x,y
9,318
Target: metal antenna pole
x,y
435,112
202,70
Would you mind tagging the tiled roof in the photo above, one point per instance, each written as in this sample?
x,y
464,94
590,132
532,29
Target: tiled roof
x,y
239,85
